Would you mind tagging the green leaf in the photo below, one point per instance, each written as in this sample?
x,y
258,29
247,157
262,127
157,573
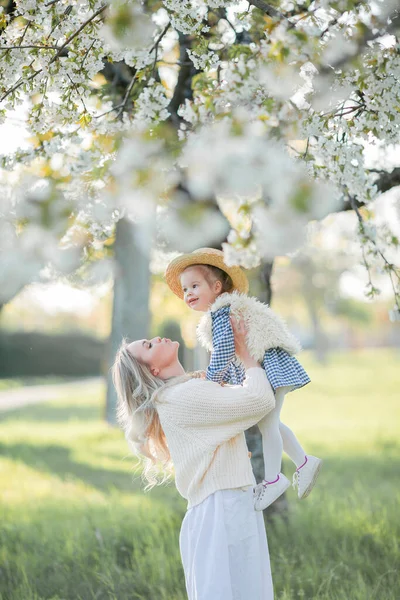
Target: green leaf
x,y
85,119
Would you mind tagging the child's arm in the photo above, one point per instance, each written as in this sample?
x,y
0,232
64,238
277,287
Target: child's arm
x,y
223,345
235,374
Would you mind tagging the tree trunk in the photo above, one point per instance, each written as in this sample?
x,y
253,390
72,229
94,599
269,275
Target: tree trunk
x,y
320,339
130,316
265,294
183,89
253,435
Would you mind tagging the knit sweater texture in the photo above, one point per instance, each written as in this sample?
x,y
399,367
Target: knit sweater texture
x,y
204,424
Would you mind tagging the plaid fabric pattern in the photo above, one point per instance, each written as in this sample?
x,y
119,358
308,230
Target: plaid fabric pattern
x,y
282,369
223,353
235,374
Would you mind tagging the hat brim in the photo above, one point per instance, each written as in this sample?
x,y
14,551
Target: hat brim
x,y
203,256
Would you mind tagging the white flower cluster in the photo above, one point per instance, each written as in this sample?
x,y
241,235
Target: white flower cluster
x,y
343,164
187,16
262,86
42,212
141,176
258,172
210,60
59,81
175,225
151,105
250,83
247,257
127,26
218,160
380,96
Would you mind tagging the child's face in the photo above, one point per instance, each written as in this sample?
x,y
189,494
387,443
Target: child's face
x,y
198,294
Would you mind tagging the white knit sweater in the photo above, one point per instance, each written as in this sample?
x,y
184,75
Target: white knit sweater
x,y
204,424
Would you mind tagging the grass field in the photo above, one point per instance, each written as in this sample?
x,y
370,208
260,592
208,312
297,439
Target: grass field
x,y
74,524
8,384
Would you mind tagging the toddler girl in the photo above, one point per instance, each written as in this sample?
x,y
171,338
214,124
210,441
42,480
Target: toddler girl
x,y
206,284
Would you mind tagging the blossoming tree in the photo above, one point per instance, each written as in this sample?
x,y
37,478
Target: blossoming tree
x,y
162,121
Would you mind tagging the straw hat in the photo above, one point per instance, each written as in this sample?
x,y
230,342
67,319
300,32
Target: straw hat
x,y
203,256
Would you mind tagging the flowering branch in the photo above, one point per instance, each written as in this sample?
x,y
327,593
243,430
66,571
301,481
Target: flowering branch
x,y
77,32
57,55
390,268
267,9
361,43
121,107
157,43
236,101
23,47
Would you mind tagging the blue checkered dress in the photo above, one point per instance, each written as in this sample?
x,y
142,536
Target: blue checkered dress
x,y
281,368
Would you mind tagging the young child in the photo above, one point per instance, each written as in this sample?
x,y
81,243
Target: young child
x,y
206,284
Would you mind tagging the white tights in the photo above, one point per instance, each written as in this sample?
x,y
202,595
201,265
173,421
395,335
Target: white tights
x,y
277,437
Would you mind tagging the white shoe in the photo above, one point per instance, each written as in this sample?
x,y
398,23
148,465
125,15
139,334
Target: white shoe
x,y
305,477
267,492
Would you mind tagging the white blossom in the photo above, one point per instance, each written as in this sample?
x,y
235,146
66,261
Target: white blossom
x,y
151,105
266,131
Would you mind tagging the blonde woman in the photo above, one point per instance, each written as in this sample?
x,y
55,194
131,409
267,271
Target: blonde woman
x,y
198,427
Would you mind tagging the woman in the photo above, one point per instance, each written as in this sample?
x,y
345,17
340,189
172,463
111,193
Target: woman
x,y
198,426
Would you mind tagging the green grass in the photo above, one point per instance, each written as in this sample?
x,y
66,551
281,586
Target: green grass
x,y
75,525
8,384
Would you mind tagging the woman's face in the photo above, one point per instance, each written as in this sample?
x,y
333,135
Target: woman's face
x,y
157,353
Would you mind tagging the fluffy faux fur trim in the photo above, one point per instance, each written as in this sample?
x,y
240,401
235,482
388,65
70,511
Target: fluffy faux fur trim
x,y
204,332
266,329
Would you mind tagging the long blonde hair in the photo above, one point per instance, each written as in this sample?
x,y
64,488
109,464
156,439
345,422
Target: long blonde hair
x,y
138,391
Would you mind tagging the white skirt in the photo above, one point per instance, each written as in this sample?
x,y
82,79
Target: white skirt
x,y
224,549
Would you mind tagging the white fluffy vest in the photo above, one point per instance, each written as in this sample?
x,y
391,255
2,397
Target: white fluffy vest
x,y
266,330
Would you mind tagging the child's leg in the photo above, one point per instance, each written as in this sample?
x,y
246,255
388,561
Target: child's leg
x,y
272,440
308,467
291,445
278,437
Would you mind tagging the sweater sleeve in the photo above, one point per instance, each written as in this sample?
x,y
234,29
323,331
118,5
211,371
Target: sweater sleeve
x,y
217,414
223,342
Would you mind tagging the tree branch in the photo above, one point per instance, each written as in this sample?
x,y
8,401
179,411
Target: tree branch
x,y
389,267
121,106
38,47
386,181
183,88
267,9
77,32
369,36
157,43
57,55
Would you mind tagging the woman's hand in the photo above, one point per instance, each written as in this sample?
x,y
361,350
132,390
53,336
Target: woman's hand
x,y
199,374
240,332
